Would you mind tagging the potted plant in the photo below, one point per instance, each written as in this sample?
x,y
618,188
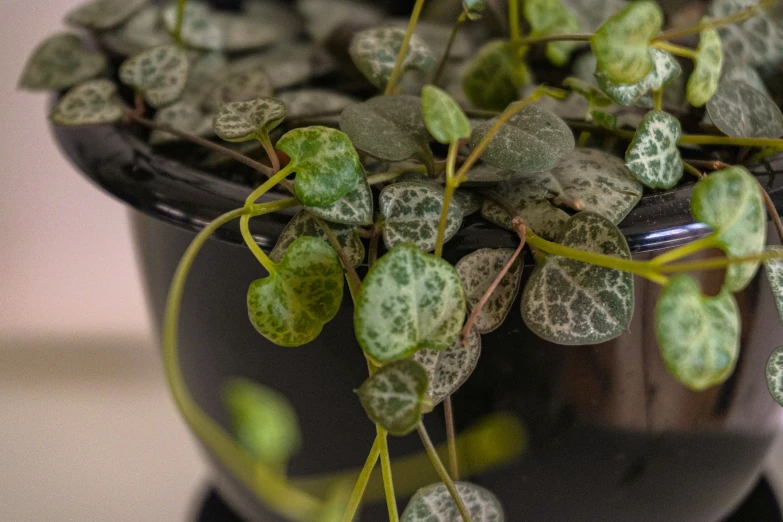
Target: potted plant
x,y
383,179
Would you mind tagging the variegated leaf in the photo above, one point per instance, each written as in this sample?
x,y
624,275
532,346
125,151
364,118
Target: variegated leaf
x,y
292,304
774,371
200,29
737,109
239,87
307,102
547,17
304,224
494,76
573,303
100,15
207,71
90,103
292,64
435,504
248,120
486,174
160,74
410,301
142,31
532,140
775,277
757,41
729,201
59,62
182,115
374,51
411,212
529,198
698,335
703,81
653,156
449,369
242,33
355,208
665,69
742,72
443,117
622,43
394,395
466,201
595,97
478,271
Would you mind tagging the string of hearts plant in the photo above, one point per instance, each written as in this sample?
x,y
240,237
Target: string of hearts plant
x,y
516,162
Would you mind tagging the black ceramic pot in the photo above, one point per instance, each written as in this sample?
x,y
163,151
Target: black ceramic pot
x,y
594,433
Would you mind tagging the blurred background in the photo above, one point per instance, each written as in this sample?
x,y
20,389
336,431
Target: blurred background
x,y
87,429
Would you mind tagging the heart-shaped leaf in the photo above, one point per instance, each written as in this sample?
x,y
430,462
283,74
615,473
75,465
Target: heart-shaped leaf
x,y
160,73
326,164
292,64
595,97
240,87
263,421
304,224
573,303
248,120
312,102
742,72
665,69
775,277
532,140
729,201
737,109
653,156
59,62
355,208
774,371
547,17
291,305
411,212
374,51
698,335
530,199
466,202
388,127
185,116
473,8
410,301
90,103
200,28
207,71
394,395
478,271
442,116
142,31
494,76
100,15
435,504
449,369
757,41
703,81
622,43
243,33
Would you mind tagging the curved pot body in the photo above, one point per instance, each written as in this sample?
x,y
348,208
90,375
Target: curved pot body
x,y
588,433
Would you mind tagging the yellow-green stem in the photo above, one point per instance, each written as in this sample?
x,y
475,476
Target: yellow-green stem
x,y
706,139
361,482
263,137
560,37
177,33
386,472
442,473
658,99
709,241
260,255
690,169
443,59
718,262
397,71
739,16
515,34
676,50
583,137
451,437
448,193
268,185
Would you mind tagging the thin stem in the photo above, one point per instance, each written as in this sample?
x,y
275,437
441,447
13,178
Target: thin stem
x,y
354,282
441,470
361,482
177,33
270,150
268,185
739,16
676,50
391,175
397,71
253,210
658,99
386,472
773,212
372,255
583,137
709,241
513,21
448,193
443,59
708,164
451,437
244,227
719,262
692,170
562,37
706,139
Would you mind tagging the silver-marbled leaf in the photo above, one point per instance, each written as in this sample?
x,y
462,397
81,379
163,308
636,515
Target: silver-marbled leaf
x,y
185,116
355,208
292,64
90,103
703,81
304,224
239,87
774,371
478,271
394,395
374,51
665,69
698,335
200,28
307,102
411,212
410,301
160,74
449,369
59,62
573,303
99,15
248,120
434,504
653,156
143,30
486,174
757,41
529,198
242,33
737,109
774,269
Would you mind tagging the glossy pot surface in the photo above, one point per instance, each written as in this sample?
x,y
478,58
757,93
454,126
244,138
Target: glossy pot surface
x,y
588,433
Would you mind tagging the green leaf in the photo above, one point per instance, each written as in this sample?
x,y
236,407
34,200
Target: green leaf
x,y
374,51
473,8
200,28
774,371
393,396
291,305
411,212
478,271
307,102
494,76
388,127
775,277
449,369
665,69
142,31
185,116
263,420
410,301
525,195
90,103
533,139
703,81
160,73
698,335
248,120
355,208
434,504
729,201
757,42
604,120
653,156
547,17
292,64
305,224
326,164
59,62
442,116
99,15
573,303
622,43
737,109
595,97
592,13
240,87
